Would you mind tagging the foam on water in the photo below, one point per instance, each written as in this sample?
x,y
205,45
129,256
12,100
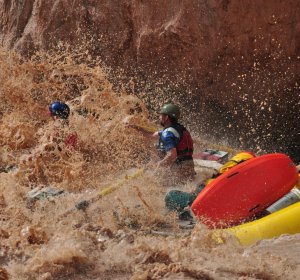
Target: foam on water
x,y
116,236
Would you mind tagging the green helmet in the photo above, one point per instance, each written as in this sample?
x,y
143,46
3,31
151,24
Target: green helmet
x,y
171,110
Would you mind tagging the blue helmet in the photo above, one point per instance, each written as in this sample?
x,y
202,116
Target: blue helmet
x,y
59,109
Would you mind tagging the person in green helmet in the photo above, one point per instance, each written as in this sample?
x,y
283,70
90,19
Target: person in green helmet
x,y
175,146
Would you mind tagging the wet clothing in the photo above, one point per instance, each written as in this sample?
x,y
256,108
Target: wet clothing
x,y
177,136
176,200
168,139
71,140
63,136
182,171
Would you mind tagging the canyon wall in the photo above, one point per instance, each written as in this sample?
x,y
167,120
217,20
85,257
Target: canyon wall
x,y
233,65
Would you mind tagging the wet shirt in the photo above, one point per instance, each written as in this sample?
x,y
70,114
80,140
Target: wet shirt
x,y
168,139
58,134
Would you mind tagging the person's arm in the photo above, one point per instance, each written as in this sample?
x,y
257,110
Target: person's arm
x,y
170,141
170,158
146,133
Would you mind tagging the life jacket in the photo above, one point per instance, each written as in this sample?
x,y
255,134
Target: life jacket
x,y
235,160
71,140
184,147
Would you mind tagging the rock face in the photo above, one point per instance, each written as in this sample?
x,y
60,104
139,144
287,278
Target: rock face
x,y
237,61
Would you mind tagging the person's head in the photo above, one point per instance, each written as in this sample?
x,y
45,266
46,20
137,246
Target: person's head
x,y
59,109
169,114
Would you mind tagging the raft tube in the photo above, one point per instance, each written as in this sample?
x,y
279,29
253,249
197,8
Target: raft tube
x,y
284,221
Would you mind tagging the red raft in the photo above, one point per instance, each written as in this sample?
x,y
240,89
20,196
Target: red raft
x,y
245,190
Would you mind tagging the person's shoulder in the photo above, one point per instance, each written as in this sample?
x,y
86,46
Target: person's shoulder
x,y
170,132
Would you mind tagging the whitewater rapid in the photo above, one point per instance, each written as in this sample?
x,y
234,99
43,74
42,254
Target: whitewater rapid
x,y
115,237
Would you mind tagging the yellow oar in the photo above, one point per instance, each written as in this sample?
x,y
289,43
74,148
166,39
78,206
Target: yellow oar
x,y
140,123
113,187
82,205
151,129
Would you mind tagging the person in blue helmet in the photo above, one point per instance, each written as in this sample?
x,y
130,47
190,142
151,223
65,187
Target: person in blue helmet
x,y
61,111
56,142
175,146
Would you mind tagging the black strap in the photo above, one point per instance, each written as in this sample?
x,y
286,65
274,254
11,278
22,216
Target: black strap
x,y
185,151
181,159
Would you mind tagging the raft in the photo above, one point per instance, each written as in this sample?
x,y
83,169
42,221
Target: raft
x,y
284,221
245,190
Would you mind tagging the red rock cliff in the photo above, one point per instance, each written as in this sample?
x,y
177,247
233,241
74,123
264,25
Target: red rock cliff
x,y
239,60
